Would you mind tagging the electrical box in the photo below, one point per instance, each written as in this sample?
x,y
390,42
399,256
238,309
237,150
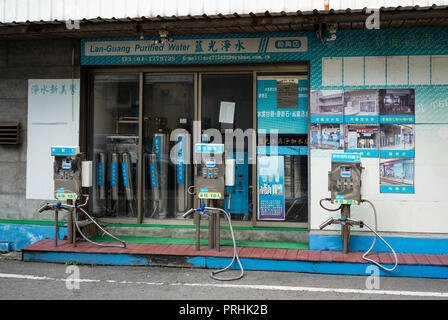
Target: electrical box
x,y
344,179
66,172
210,171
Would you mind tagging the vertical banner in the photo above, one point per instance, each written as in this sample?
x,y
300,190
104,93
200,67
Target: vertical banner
x,y
271,188
53,120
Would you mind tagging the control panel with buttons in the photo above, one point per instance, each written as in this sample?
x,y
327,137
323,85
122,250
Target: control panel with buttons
x,y
66,172
344,179
210,171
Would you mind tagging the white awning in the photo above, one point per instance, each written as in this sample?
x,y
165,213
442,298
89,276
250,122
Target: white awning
x,y
19,11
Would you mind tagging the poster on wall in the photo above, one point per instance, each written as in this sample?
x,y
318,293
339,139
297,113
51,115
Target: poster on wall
x,y
327,106
53,120
271,188
397,140
397,175
282,104
361,106
282,114
397,105
327,136
362,139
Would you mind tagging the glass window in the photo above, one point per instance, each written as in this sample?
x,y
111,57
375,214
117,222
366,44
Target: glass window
x,y
115,108
168,122
282,113
227,104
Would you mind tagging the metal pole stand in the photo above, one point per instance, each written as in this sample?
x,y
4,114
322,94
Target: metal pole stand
x,y
345,228
197,222
214,230
56,227
214,234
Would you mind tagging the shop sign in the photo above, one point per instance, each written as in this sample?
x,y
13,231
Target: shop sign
x,y
195,49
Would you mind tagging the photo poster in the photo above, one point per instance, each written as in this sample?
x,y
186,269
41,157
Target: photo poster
x,y
397,140
376,123
361,118
271,188
397,175
327,119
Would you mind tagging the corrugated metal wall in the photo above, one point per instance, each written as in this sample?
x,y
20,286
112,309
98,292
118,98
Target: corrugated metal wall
x,y
48,10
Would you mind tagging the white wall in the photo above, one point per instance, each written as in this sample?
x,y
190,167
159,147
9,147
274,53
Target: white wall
x,y
426,211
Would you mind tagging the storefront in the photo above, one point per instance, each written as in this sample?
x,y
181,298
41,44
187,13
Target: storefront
x,y
282,102
170,108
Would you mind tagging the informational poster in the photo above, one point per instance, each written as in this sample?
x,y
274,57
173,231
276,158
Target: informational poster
x,y
271,188
282,111
53,120
287,93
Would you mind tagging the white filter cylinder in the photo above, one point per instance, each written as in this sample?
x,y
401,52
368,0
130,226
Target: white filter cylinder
x,y
86,174
230,172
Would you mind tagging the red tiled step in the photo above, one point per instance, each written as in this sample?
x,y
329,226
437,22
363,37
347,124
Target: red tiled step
x,y
246,252
290,254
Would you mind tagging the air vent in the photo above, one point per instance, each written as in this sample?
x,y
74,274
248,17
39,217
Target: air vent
x,y
9,133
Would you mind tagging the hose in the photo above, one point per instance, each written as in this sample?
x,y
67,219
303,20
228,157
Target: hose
x,y
201,210
375,231
364,256
86,238
235,253
323,207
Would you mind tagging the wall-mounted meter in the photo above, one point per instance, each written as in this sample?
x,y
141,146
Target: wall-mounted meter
x,y
210,171
66,172
344,179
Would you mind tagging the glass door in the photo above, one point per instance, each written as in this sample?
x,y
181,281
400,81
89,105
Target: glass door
x,y
226,104
282,170
115,123
168,114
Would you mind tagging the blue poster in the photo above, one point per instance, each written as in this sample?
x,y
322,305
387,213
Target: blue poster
x,y
271,188
282,104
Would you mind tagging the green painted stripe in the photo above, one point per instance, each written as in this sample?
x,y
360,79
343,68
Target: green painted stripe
x,y
257,244
203,227
33,222
63,224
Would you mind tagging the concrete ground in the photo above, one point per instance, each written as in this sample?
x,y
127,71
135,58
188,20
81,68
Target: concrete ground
x,y
31,280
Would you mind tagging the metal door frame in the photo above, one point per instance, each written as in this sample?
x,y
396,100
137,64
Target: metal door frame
x,y
196,71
